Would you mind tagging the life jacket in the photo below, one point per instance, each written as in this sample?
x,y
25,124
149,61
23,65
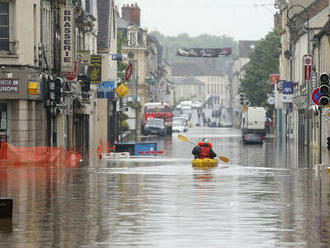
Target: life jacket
x,y
202,143
205,152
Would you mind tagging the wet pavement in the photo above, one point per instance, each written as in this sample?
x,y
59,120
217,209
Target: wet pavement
x,y
267,196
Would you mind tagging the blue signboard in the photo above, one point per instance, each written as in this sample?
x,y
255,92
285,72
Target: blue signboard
x,y
106,89
287,88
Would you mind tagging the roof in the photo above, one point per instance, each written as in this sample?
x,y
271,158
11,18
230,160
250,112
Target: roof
x,y
246,47
186,69
203,67
187,81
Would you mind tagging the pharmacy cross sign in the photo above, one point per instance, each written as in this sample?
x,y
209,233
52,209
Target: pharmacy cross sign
x,y
316,96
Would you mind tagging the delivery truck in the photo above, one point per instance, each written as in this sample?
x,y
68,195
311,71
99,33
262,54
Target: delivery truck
x,y
254,121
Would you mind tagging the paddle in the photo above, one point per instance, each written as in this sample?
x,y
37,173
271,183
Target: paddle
x,y
184,139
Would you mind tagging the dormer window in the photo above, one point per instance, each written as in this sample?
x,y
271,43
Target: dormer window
x,y
132,38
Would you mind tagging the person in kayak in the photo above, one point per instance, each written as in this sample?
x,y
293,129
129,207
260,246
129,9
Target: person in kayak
x,y
203,150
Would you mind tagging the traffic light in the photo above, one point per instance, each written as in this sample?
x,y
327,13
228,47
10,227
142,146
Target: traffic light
x,y
328,143
324,89
242,98
58,90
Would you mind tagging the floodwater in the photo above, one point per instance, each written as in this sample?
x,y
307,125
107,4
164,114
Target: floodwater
x,y
266,196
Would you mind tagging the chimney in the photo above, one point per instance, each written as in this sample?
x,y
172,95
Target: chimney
x,y
131,13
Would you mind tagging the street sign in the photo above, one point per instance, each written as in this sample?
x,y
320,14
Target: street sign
x,y
128,72
125,109
271,100
316,96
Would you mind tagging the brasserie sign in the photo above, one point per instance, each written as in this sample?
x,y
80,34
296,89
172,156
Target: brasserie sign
x,y
67,39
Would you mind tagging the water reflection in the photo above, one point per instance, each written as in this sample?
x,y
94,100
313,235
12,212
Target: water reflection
x,y
266,197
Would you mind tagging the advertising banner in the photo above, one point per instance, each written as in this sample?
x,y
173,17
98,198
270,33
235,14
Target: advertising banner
x,y
95,69
67,39
203,52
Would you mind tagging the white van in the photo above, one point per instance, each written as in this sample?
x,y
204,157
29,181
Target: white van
x,y
254,120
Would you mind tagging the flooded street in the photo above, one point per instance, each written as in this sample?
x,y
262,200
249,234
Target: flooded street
x,y
266,196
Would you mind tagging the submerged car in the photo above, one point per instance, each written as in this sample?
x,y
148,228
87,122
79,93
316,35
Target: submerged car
x,y
155,126
252,139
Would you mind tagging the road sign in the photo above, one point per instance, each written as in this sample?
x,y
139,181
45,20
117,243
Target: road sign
x,y
271,100
316,96
124,109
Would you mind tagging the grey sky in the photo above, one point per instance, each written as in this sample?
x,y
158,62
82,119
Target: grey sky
x,y
240,19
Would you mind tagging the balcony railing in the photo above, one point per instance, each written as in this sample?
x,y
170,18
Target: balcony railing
x,y
8,47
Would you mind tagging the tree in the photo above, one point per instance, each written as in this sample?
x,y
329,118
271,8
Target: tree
x,y
263,61
121,66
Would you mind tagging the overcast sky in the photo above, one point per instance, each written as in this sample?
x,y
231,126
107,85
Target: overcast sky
x,y
240,19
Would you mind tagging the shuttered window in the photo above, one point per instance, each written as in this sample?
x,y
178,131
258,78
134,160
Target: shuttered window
x,y
4,26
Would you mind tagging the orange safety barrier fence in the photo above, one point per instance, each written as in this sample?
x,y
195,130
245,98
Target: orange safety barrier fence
x,y
44,156
104,148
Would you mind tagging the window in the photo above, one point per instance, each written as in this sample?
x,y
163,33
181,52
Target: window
x,y
4,26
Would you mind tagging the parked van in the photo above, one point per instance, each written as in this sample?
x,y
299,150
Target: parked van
x,y
253,121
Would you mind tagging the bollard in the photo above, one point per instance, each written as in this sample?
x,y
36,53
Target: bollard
x,y
6,208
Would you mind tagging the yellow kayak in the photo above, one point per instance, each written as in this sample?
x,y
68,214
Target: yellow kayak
x,y
205,163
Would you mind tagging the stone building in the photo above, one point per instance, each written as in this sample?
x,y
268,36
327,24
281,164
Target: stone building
x,y
305,32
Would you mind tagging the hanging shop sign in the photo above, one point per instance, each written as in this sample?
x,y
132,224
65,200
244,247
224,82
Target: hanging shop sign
x,y
273,78
67,40
307,67
84,57
95,69
119,57
9,85
287,88
33,88
122,90
128,72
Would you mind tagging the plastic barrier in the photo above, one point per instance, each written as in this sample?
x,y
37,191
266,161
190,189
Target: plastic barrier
x,y
43,156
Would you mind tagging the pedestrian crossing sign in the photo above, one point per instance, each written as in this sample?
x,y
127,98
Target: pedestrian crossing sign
x,y
244,108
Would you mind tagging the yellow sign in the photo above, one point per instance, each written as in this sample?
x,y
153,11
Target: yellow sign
x,y
122,90
244,108
33,88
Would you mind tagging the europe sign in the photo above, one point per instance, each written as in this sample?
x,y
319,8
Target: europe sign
x,y
9,85
203,52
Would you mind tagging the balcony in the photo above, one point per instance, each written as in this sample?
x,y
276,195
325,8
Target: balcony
x,y
8,48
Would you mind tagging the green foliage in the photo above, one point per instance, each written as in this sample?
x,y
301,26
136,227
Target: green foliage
x,y
122,119
263,61
121,66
